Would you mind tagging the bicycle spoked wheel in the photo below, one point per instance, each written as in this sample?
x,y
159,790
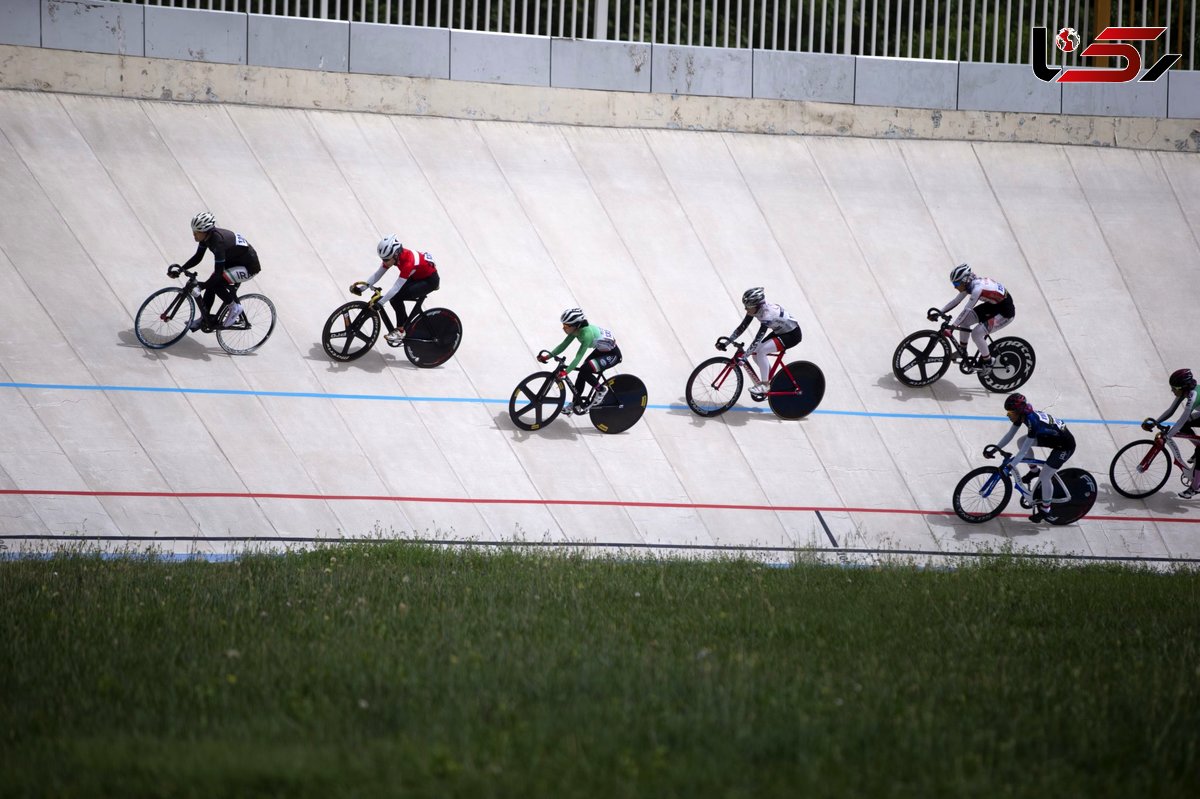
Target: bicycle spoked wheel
x,y
982,494
1083,490
537,400
251,329
1013,362
921,358
1135,474
164,318
713,387
796,390
351,331
433,338
622,407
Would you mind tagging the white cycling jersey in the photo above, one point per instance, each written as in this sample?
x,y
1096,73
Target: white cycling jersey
x,y
772,317
1191,411
981,289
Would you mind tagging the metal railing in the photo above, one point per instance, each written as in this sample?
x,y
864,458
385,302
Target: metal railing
x,y
958,30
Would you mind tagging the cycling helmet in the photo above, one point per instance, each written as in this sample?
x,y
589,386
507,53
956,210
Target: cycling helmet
x,y
573,317
203,222
961,274
1018,403
752,298
1183,378
388,247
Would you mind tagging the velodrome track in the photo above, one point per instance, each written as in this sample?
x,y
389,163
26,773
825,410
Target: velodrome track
x,y
655,233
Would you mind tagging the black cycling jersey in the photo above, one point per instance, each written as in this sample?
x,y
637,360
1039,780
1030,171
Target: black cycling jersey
x,y
228,248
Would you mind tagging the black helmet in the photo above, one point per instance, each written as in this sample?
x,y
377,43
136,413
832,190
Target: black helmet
x,y
1183,378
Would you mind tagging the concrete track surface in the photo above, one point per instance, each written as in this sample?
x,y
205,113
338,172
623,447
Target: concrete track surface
x,y
655,234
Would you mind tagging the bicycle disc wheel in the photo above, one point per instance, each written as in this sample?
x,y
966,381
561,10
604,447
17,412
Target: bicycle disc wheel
x,y
796,390
536,401
622,407
1135,474
433,338
1013,361
1083,490
921,358
164,318
350,331
982,494
713,387
251,329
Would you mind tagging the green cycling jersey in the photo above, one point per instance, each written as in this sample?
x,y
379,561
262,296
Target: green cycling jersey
x,y
588,337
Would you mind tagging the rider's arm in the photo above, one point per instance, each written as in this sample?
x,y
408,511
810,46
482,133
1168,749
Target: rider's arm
x,y
195,259
763,331
1012,431
1024,446
976,288
394,290
741,328
1188,401
558,350
587,339
378,274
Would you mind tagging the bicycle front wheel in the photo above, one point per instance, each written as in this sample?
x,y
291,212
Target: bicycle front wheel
x,y
922,358
164,318
713,387
433,338
982,494
796,390
1138,471
350,331
251,329
536,401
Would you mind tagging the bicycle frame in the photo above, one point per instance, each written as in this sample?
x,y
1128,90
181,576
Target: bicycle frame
x,y
1161,442
381,308
192,283
741,360
1008,467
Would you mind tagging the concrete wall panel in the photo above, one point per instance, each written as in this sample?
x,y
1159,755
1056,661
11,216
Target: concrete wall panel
x,y
194,35
93,27
1006,87
615,66
905,82
21,22
710,71
1133,99
399,50
299,43
500,58
1183,95
803,76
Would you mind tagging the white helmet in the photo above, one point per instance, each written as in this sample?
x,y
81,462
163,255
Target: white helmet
x,y
573,317
961,274
752,298
203,222
388,247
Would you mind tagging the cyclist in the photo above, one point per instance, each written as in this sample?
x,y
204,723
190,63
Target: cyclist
x,y
989,308
1043,430
417,277
773,319
235,262
604,354
1183,385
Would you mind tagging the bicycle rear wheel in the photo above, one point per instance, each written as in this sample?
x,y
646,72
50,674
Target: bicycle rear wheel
x,y
350,331
1082,487
536,401
1013,362
622,407
251,329
1135,474
921,358
796,390
164,318
713,387
433,338
982,494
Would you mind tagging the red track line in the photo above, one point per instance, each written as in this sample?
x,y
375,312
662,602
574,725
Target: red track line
x,y
543,502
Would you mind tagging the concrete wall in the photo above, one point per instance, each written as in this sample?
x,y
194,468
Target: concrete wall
x,y
678,71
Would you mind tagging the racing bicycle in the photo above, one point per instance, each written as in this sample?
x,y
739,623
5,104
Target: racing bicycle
x,y
538,399
431,337
167,315
1141,468
982,494
922,358
794,389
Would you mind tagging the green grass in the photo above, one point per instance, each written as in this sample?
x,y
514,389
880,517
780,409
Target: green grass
x,y
386,669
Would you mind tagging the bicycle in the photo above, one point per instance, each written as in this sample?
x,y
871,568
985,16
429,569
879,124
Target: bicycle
x,y
930,353
543,395
1137,471
162,320
794,390
431,337
983,493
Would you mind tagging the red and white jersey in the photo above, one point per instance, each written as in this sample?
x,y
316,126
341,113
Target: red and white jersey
x,y
413,265
984,289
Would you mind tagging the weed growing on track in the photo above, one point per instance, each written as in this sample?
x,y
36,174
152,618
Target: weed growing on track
x,y
382,669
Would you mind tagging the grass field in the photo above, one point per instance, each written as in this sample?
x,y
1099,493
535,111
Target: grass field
x,y
385,669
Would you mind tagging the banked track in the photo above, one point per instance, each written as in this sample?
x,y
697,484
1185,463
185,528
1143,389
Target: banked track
x,y
656,234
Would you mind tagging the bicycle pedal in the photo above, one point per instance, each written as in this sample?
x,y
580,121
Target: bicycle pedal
x,y
393,343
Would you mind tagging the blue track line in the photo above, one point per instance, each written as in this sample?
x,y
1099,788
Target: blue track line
x,y
234,392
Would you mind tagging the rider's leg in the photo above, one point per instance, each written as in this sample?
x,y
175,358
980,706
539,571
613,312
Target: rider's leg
x,y
215,287
1054,461
396,333
761,353
970,321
